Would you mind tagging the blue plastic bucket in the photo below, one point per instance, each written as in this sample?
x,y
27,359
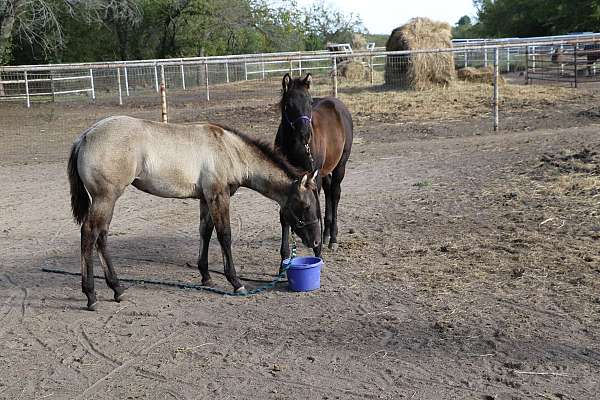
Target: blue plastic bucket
x,y
304,274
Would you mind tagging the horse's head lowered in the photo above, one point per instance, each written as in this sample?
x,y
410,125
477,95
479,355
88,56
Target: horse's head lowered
x,y
302,211
296,107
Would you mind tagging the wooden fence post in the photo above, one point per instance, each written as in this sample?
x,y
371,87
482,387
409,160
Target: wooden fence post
x,y
575,62
119,83
163,96
126,80
372,68
526,65
52,85
496,82
206,81
163,103
334,77
92,84
27,90
156,77
182,76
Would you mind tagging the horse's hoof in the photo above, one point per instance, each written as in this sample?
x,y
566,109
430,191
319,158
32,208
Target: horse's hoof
x,y
325,239
208,283
318,251
119,294
333,246
241,290
92,307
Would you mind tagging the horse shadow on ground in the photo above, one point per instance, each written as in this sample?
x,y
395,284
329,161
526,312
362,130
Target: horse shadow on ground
x,y
157,258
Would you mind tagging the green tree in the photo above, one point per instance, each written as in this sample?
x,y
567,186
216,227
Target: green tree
x,y
505,18
325,24
41,31
464,28
32,22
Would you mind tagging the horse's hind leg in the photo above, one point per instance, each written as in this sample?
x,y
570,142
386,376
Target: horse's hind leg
x,y
89,235
218,204
93,232
206,229
90,232
336,190
103,216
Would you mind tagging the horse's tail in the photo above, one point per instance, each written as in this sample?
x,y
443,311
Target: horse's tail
x,y
80,201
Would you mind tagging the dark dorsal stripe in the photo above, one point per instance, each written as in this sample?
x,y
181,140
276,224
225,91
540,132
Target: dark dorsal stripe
x,y
266,150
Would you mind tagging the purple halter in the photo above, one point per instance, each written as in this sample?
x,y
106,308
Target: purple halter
x,y
300,118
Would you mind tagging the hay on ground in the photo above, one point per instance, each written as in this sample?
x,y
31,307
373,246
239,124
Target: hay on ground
x,y
479,75
352,70
420,71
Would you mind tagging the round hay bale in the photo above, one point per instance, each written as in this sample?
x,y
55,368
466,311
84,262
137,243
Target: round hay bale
x,y
420,71
358,42
478,75
352,70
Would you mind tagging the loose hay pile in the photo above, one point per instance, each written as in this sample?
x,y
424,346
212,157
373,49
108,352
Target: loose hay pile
x,y
420,71
352,70
479,75
358,42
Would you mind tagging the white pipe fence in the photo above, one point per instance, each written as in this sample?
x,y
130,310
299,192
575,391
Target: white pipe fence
x,y
25,82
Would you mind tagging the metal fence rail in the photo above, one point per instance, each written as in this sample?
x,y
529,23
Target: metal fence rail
x,y
573,63
130,78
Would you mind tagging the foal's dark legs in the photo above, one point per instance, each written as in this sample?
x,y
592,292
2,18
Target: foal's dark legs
x,y
218,204
284,250
94,231
89,235
206,229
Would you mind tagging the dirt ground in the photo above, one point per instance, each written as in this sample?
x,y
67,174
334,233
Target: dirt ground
x,y
468,268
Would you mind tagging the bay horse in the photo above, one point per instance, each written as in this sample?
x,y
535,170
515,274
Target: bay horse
x,y
207,162
315,135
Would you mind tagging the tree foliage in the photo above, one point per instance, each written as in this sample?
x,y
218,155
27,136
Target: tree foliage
x,y
522,18
464,28
39,31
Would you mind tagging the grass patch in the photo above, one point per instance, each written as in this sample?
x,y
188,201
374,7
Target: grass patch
x,y
422,184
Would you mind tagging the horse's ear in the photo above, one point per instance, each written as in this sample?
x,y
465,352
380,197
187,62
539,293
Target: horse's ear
x,y
304,181
314,175
286,82
307,80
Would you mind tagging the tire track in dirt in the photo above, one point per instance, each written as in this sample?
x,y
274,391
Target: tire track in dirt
x,y
23,303
129,363
379,376
332,381
10,307
91,347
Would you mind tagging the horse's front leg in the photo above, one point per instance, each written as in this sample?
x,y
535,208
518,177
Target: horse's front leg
x,y
206,230
319,249
218,205
285,241
328,216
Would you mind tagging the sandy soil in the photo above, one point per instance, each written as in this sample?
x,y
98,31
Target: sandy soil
x,y
468,268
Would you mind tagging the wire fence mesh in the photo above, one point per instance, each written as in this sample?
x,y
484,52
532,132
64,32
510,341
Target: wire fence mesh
x,y
244,91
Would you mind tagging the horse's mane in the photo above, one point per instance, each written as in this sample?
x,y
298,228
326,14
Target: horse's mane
x,y
266,150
